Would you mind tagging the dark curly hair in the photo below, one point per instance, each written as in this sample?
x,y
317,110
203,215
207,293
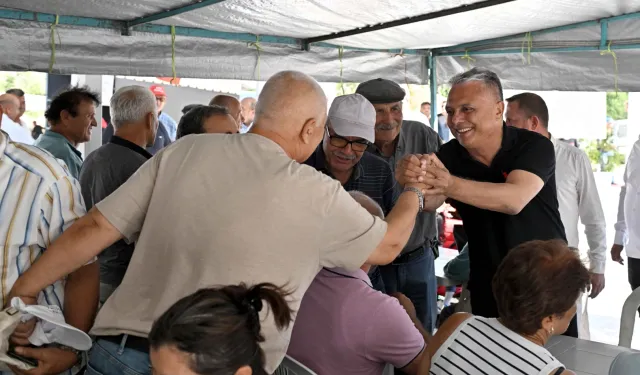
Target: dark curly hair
x,y
68,100
535,280
219,328
193,121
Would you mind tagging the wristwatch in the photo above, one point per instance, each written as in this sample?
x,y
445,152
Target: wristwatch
x,y
420,196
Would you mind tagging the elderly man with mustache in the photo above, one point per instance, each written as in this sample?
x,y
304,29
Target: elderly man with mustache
x,y
412,272
342,156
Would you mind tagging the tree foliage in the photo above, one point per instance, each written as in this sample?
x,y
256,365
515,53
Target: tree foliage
x,y
30,82
617,105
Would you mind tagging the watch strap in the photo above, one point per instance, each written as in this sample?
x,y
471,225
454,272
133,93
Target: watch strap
x,y
420,196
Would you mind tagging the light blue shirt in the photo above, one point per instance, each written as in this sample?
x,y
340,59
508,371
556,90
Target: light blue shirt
x,y
169,124
61,148
245,128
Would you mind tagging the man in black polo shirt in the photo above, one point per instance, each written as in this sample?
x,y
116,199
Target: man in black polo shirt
x,y
135,120
341,155
500,179
412,273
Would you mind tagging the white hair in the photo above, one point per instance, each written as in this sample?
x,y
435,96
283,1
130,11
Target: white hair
x,y
131,104
368,203
486,76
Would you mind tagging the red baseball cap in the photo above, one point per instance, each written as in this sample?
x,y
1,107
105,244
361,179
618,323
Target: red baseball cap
x,y
158,90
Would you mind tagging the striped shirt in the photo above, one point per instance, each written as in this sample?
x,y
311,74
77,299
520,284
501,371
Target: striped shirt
x,y
38,200
483,346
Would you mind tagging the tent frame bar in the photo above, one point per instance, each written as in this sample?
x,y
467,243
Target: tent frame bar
x,y
172,12
405,21
462,49
20,15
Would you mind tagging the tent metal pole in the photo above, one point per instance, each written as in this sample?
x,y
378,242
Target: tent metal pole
x,y
604,35
102,23
578,25
172,12
406,21
544,50
433,88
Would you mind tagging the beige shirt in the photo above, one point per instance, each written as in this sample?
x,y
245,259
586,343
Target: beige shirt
x,y
217,209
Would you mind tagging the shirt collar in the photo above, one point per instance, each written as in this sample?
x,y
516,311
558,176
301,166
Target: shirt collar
x,y
130,145
357,274
52,134
320,163
553,139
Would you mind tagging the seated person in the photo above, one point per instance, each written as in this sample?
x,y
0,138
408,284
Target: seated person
x,y
536,289
344,326
216,331
206,119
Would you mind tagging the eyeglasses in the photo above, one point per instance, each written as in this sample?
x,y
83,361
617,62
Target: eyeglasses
x,y
161,99
341,142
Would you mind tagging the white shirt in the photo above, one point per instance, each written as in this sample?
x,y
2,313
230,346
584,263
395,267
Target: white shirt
x,y
628,224
578,198
17,132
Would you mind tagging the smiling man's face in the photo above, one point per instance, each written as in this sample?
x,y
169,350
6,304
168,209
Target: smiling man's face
x,y
474,113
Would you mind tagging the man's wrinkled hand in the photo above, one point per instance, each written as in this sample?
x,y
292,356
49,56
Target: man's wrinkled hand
x,y
410,170
597,284
437,176
616,250
51,361
24,330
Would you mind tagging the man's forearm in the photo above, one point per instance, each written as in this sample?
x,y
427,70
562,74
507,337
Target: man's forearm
x,y
81,296
499,197
400,223
75,247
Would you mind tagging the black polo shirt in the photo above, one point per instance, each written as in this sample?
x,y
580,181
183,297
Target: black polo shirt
x,y
492,234
372,176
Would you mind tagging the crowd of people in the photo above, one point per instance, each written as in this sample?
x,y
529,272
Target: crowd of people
x,y
250,231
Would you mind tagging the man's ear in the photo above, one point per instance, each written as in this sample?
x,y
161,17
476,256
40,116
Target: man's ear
x,y
535,122
308,131
151,121
500,109
244,370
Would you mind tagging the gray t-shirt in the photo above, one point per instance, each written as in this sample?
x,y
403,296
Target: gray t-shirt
x,y
415,138
102,173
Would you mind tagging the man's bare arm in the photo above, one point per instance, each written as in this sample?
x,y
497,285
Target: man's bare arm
x,y
81,296
75,247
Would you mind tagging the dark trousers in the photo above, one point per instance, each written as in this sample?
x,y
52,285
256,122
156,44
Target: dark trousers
x,y
633,269
413,274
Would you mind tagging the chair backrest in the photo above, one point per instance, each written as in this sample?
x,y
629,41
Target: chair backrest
x,y
389,370
290,366
628,318
627,363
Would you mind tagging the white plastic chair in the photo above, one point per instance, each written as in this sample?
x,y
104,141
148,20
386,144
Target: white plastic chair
x,y
628,318
290,366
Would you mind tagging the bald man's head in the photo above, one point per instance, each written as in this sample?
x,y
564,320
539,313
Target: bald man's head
x,y
231,104
11,106
293,108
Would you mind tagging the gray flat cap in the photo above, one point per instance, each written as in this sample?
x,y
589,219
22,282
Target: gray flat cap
x,y
381,91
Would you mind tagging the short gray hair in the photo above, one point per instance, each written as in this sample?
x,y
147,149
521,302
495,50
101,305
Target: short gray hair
x,y
131,104
486,76
368,203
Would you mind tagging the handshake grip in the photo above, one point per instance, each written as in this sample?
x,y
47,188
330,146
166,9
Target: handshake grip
x,y
425,172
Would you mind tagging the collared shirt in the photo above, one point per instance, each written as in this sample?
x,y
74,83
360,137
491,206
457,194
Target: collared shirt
x,y
344,326
39,199
162,139
415,138
245,128
169,124
578,198
628,224
60,147
189,224
104,170
495,233
16,132
372,176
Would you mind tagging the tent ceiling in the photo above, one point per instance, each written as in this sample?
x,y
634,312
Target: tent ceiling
x,y
98,50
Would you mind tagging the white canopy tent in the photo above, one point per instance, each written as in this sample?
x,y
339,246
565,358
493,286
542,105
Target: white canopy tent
x,y
537,45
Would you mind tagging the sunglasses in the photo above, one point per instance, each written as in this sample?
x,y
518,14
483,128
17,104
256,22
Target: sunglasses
x,y
341,142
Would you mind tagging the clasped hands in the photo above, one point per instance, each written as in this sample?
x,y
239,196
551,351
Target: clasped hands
x,y
426,172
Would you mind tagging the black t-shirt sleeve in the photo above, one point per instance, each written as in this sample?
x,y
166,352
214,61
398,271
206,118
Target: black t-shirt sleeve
x,y
536,156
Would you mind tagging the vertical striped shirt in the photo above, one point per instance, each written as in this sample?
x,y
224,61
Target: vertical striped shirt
x,y
38,200
483,346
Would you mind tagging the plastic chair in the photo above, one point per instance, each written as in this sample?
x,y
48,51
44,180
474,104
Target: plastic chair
x,y
290,366
628,318
625,364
